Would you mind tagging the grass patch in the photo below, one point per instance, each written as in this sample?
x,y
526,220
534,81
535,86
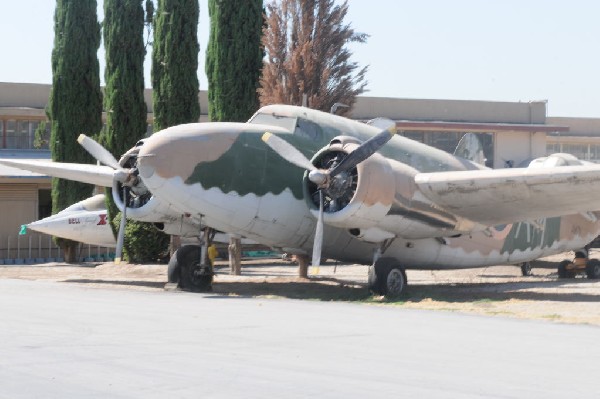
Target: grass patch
x,y
552,316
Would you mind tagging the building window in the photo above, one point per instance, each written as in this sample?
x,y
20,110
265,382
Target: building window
x,y
595,153
552,148
416,136
578,150
21,134
448,141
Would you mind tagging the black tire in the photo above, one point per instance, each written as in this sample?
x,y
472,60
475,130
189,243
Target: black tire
x,y
372,282
526,269
395,283
184,269
562,270
592,269
387,278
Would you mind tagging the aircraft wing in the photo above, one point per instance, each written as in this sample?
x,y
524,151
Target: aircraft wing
x,y
99,175
497,196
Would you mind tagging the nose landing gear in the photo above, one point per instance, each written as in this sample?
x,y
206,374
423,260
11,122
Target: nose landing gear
x,y
187,271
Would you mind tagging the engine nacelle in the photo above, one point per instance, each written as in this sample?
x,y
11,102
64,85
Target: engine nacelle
x,y
141,204
378,199
359,198
558,159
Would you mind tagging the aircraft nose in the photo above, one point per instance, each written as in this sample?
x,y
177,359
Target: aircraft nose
x,y
175,152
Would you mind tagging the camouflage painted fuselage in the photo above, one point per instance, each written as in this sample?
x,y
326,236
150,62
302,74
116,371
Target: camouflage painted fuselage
x,y
225,176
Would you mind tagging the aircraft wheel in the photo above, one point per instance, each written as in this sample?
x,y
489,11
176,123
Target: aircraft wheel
x,y
395,282
386,278
592,269
562,270
526,269
185,269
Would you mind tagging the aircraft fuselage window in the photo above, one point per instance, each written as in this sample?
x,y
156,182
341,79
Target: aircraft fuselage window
x,y
308,129
286,122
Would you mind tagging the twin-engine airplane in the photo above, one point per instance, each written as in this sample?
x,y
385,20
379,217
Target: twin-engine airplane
x,y
365,196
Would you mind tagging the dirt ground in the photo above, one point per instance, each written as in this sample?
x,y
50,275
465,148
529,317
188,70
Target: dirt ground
x,y
492,291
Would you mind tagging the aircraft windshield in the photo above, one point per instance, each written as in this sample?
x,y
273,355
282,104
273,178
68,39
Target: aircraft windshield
x,y
286,122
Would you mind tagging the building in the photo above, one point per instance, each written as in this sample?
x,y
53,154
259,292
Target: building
x,y
511,133
582,139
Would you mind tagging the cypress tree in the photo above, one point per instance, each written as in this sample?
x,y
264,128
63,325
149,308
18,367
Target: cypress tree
x,y
124,75
233,64
126,110
234,59
75,103
175,63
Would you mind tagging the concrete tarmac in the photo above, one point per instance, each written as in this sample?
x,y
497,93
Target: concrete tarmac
x,y
65,341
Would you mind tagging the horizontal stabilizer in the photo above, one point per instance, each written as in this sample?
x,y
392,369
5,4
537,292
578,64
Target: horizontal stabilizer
x,y
98,175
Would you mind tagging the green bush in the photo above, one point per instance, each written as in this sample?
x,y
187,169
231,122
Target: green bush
x,y
143,242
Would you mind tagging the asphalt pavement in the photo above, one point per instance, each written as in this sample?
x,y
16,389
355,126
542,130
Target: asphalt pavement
x,y
68,341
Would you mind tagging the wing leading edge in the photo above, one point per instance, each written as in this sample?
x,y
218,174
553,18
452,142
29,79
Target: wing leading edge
x,y
499,196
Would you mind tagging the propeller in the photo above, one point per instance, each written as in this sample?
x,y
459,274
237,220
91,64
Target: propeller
x,y
121,235
128,178
97,151
364,151
323,177
318,242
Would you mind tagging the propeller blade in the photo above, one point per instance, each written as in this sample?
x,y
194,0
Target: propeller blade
x,y
287,151
364,151
318,243
98,152
98,175
121,236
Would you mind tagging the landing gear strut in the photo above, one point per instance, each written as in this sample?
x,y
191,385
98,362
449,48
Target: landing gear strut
x,y
387,278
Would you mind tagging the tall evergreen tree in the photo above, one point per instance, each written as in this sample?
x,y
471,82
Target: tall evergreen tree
x,y
175,63
233,63
123,30
126,110
75,104
306,46
234,59
175,67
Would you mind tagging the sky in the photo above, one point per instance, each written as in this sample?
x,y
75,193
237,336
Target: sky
x,y
509,50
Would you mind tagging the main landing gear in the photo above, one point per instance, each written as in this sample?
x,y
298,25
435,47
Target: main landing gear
x,y
581,264
188,272
526,269
387,278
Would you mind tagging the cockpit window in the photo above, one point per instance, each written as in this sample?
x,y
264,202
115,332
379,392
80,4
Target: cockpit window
x,y
286,122
308,130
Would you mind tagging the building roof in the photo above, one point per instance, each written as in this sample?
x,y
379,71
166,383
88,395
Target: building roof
x,y
479,127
